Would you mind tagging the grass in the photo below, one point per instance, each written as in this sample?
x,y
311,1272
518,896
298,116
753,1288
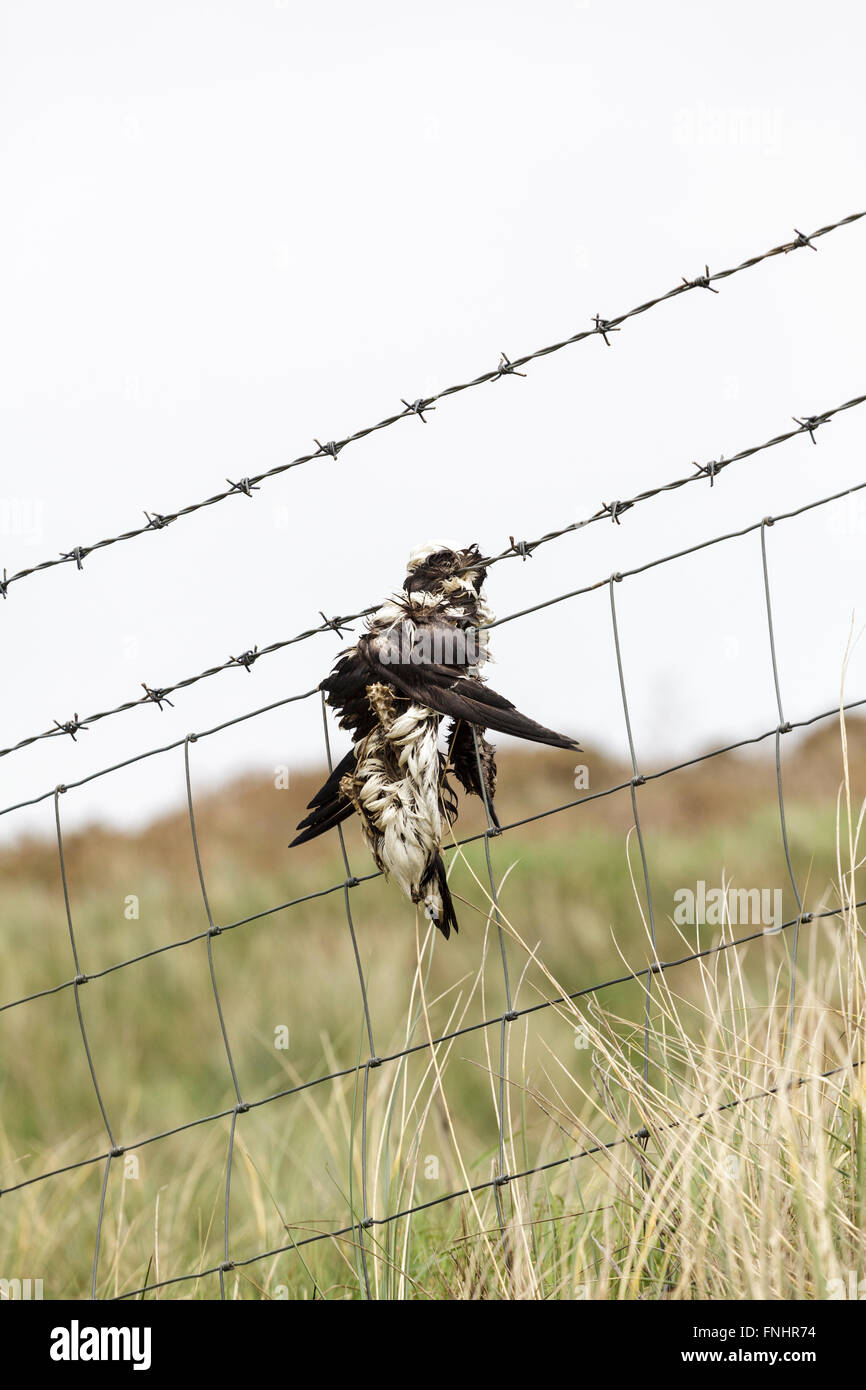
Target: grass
x,y
733,1192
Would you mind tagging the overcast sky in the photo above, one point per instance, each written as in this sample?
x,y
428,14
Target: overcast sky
x,y
231,227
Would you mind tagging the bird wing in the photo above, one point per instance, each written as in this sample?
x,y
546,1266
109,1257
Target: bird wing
x,y
328,807
441,688
474,762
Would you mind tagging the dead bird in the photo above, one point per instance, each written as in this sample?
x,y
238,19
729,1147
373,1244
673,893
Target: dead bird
x,y
418,663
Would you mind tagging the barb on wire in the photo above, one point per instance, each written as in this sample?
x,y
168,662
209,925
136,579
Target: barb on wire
x,y
336,624
615,510
701,282
244,485
608,510
71,726
77,554
802,240
332,447
418,407
709,470
246,659
506,367
521,548
811,423
605,326
156,696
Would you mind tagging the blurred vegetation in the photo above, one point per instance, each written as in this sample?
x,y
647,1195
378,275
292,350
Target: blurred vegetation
x,y
570,887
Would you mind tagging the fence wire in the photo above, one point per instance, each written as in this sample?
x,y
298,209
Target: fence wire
x,y
245,487
159,695
365,1219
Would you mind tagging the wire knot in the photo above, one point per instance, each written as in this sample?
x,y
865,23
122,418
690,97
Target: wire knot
x,y
335,624
768,521
709,470
604,326
638,780
77,554
4,585
351,882
367,1223
811,423
71,726
214,931
246,659
521,548
60,788
807,916
511,1016
332,447
418,407
157,521
242,1107
615,510
802,240
158,696
374,1062
700,282
784,728
506,368
244,485
226,1265
502,1180
80,979
117,1152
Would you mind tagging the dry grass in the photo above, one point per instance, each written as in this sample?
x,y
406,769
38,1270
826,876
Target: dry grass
x,y
733,1193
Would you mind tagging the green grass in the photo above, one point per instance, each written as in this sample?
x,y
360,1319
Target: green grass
x,y
665,1220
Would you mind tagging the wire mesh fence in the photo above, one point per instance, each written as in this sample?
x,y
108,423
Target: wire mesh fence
x,y
365,1218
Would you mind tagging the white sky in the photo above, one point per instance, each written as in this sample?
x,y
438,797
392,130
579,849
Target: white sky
x,y
230,227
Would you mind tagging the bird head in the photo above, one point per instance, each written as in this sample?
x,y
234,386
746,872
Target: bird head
x,y
430,566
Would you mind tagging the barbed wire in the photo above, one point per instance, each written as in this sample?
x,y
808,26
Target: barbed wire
x,y
246,486
618,577
159,695
365,1219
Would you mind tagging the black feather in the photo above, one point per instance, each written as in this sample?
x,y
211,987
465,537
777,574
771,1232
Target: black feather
x,y
328,807
436,872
